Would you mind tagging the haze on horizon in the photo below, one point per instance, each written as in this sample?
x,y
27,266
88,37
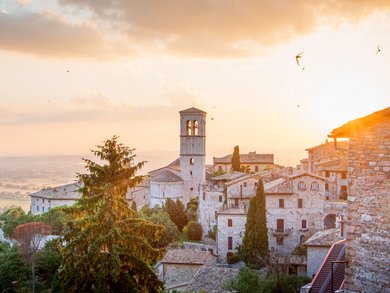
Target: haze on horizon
x,y
77,72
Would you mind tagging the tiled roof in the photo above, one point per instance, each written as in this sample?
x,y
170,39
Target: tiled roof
x,y
175,165
300,174
211,279
278,186
324,238
69,191
192,110
361,123
229,176
166,176
186,256
250,158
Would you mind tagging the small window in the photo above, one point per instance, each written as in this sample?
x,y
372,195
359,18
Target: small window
x,y
245,184
43,209
326,186
230,243
163,193
189,127
195,129
301,185
204,195
343,188
191,161
327,174
191,173
314,185
215,215
281,203
343,175
37,208
191,188
300,203
280,225
43,200
230,223
280,240
304,224
256,168
301,239
220,198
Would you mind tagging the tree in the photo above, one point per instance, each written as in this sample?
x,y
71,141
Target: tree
x,y
192,209
134,205
14,217
255,242
108,247
177,213
236,164
55,218
194,230
247,281
30,237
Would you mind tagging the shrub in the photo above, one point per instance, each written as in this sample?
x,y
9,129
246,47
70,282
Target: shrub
x,y
211,234
194,231
234,258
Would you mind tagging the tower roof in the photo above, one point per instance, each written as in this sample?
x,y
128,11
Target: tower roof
x,y
192,111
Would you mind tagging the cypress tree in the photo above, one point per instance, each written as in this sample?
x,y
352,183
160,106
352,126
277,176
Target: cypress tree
x,y
236,164
255,242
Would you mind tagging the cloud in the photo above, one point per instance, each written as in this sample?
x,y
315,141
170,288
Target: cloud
x,y
23,2
204,28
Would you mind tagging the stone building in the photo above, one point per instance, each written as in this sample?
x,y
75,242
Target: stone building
x,y
368,212
296,207
179,266
45,199
252,161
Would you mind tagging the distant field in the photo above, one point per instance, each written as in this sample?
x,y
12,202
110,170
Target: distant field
x,y
24,203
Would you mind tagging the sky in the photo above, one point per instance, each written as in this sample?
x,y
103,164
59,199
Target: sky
x,y
77,72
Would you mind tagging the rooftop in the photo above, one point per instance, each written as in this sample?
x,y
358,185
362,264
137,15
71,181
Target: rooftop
x,y
250,158
68,191
166,176
186,256
192,110
324,238
229,176
211,279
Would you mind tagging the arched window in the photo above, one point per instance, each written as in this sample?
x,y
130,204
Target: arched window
x,y
195,128
301,185
189,127
245,184
191,161
314,185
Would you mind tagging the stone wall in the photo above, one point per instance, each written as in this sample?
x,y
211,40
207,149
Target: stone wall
x,y
161,191
315,257
42,205
174,274
209,203
368,220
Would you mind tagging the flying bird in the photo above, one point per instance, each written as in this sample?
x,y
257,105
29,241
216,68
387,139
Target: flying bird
x,y
378,50
67,71
299,106
298,57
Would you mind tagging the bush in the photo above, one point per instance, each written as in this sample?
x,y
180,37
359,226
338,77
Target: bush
x,y
211,234
194,231
234,258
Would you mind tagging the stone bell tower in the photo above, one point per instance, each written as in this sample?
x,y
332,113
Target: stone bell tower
x,y
192,151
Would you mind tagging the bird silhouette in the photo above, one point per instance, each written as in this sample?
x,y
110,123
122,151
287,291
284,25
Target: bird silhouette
x,y
378,50
212,118
298,57
299,106
67,71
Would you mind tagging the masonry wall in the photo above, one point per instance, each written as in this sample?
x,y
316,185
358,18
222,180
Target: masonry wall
x,y
42,205
174,274
368,220
315,257
161,191
209,202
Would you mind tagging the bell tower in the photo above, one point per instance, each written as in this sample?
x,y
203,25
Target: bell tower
x,y
192,151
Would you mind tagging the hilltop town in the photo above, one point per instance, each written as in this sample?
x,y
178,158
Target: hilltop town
x,y
333,206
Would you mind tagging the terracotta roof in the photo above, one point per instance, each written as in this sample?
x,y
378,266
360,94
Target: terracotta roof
x,y
324,238
166,176
186,256
361,123
211,279
68,191
250,158
192,110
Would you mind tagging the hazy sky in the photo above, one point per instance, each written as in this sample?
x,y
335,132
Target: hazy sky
x,y
75,72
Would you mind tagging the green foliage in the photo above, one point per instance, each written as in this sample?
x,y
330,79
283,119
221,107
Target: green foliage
x,y
255,242
300,250
133,206
14,217
194,230
14,274
192,209
55,218
219,172
159,216
247,281
107,245
234,258
211,235
176,212
236,164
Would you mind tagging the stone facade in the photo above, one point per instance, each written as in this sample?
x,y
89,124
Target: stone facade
x,y
252,162
368,220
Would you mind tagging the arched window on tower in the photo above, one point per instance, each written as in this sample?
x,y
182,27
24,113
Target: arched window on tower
x,y
189,127
195,130
191,161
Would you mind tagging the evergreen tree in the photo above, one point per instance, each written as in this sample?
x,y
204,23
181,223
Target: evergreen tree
x,y
134,205
107,246
177,213
255,242
236,164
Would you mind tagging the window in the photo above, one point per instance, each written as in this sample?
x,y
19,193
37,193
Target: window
x,y
343,175
230,223
215,215
43,209
300,203
280,240
343,188
281,203
163,193
256,168
220,198
301,239
230,243
301,185
236,202
191,188
191,161
37,208
245,184
326,187
327,174
314,186
204,195
43,200
304,224
189,127
280,225
255,184
191,173
195,129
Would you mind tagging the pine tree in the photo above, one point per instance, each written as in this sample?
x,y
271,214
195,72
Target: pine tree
x,y
255,242
107,246
236,164
176,212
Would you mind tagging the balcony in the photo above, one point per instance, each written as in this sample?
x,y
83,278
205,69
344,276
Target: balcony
x,y
281,232
303,229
